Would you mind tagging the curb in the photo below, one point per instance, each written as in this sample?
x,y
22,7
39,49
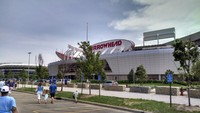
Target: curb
x,y
97,104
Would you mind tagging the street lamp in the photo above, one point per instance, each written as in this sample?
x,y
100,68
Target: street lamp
x,y
28,64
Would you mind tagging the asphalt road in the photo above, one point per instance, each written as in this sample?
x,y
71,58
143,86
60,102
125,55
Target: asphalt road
x,y
27,103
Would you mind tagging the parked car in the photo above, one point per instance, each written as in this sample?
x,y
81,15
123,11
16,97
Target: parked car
x,y
109,83
65,81
59,81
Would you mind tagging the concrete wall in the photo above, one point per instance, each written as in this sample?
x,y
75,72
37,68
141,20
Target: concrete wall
x,y
95,86
155,61
53,69
115,88
195,93
71,85
140,89
166,90
85,85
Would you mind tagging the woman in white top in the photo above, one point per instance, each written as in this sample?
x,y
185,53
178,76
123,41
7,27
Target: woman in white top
x,y
39,91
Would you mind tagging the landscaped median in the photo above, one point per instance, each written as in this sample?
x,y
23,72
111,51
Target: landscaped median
x,y
118,103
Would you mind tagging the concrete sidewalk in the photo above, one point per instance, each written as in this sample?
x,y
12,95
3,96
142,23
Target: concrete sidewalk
x,y
126,94
27,103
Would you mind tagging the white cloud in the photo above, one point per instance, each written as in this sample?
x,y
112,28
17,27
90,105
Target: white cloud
x,y
160,14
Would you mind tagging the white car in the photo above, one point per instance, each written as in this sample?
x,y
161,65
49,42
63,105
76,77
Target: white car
x,y
59,81
109,83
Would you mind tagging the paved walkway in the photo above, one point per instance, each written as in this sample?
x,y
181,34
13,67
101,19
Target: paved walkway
x,y
126,94
27,103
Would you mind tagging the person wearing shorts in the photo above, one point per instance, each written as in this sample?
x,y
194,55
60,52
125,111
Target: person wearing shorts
x,y
52,90
46,96
39,91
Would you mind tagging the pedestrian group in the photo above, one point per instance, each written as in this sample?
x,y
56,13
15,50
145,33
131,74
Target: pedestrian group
x,y
52,91
8,103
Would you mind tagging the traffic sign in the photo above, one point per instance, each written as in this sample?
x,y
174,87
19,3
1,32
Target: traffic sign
x,y
99,77
82,78
169,78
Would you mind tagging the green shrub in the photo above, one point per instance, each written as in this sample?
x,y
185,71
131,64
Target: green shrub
x,y
95,81
154,81
180,82
123,82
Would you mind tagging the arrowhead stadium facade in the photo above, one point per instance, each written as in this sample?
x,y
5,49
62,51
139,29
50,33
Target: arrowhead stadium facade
x,y
121,56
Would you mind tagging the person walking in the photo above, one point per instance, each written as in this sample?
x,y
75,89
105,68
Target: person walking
x,y
46,96
75,95
52,90
39,91
7,103
11,84
2,83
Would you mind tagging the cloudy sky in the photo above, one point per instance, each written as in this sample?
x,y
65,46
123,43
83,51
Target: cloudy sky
x,y
44,26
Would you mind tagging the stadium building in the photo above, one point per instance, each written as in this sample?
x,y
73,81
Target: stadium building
x,y
121,56
16,68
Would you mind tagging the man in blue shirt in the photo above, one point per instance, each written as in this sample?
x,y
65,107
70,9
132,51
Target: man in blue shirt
x,y
7,103
52,90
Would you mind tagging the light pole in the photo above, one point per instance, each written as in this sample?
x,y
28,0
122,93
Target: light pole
x,y
29,53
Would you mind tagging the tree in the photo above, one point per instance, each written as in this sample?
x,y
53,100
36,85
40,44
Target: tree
x,y
59,75
33,76
196,70
86,65
40,60
16,75
78,74
90,64
9,74
41,71
186,53
45,72
141,74
2,75
23,75
39,68
99,66
131,76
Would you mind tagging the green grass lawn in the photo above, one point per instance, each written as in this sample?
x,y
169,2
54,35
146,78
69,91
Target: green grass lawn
x,y
140,104
65,94
26,89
